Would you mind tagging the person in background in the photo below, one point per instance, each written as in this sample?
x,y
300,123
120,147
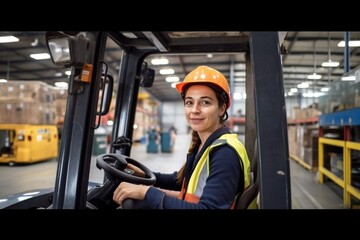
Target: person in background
x,y
172,132
217,168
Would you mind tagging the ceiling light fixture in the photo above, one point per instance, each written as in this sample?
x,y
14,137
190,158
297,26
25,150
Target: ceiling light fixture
x,y
40,56
159,61
303,85
313,94
314,76
353,43
61,84
167,71
172,79
329,63
348,78
325,89
8,39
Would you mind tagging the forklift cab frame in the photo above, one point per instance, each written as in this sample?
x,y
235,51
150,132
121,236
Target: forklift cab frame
x,y
265,104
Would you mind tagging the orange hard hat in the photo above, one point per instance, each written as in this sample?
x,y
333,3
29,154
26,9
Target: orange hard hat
x,y
205,74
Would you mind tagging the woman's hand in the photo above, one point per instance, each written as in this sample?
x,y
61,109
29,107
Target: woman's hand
x,y
129,190
137,171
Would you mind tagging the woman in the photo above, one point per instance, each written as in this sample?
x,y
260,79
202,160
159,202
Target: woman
x,y
217,169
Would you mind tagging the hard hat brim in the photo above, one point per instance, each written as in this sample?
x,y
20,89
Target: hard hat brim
x,y
180,86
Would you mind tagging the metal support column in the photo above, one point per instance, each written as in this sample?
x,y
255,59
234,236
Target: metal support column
x,y
232,67
270,110
78,131
346,52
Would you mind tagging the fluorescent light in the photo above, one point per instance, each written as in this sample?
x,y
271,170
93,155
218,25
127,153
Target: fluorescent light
x,y
7,39
351,44
348,78
239,74
239,79
173,85
40,56
314,76
313,94
167,71
324,89
3,80
61,84
294,90
303,85
237,96
330,64
159,61
172,79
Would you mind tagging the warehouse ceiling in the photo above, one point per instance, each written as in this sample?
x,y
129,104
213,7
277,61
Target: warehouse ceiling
x,y
304,53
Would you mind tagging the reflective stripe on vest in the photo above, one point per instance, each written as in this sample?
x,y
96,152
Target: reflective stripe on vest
x,y
201,172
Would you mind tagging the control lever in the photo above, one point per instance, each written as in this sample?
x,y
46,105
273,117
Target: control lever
x,y
122,142
128,203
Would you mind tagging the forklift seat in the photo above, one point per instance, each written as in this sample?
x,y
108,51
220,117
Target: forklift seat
x,y
248,199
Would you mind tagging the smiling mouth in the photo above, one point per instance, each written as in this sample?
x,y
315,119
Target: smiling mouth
x,y
196,120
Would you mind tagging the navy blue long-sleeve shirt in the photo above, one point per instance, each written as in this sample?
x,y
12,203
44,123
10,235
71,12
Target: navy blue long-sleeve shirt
x,y
221,185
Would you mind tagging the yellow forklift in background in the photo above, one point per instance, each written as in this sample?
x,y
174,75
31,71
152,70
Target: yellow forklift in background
x,y
26,143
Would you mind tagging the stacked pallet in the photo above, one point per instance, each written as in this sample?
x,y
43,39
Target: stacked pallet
x,y
31,102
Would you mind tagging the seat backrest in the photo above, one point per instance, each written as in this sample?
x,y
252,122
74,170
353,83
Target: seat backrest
x,y
248,199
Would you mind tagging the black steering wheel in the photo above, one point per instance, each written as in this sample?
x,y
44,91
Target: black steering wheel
x,y
116,165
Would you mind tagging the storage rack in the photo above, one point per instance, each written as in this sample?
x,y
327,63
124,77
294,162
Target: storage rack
x,y
344,121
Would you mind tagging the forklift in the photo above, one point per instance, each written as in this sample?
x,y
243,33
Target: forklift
x,y
89,98
28,143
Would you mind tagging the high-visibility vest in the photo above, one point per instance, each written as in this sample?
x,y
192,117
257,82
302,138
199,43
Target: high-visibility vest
x,y
201,172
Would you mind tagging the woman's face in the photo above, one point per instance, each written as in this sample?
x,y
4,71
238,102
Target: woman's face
x,y
202,109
